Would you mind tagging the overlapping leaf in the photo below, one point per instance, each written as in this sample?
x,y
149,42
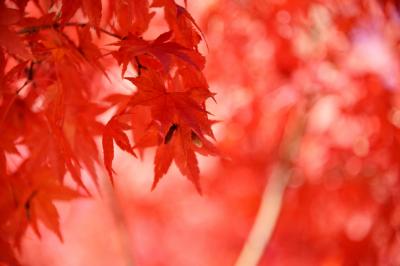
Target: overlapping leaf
x,y
161,53
177,123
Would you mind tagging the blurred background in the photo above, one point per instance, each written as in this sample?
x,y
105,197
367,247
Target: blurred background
x,y
307,120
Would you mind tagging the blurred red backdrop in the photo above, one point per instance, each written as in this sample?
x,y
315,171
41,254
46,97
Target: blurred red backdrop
x,y
307,113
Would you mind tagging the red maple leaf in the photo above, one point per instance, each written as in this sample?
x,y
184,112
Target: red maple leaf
x,y
177,122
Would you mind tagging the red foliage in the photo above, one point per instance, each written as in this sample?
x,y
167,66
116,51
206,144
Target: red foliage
x,y
51,52
307,92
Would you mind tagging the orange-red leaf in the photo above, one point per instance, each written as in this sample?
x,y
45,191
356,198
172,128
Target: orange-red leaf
x,y
114,131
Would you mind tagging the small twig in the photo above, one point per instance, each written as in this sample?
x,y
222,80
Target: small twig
x,y
23,86
34,29
10,103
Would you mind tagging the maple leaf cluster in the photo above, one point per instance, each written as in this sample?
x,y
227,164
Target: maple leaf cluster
x,y
54,58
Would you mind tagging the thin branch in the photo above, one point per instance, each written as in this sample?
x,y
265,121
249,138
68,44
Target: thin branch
x,y
34,29
271,201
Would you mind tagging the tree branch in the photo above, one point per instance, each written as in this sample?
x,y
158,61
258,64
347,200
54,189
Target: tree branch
x,y
271,201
